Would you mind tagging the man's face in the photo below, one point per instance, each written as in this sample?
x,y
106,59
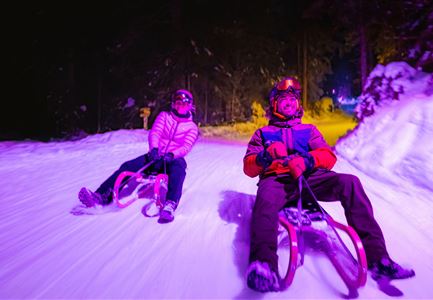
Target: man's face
x,y
287,105
182,107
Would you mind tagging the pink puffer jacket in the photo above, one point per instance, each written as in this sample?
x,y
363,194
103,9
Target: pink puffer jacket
x,y
171,133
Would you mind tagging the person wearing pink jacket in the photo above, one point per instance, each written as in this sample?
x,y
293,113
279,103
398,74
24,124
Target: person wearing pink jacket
x,y
171,138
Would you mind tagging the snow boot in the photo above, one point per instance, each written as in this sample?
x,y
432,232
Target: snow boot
x,y
89,198
166,214
389,269
261,278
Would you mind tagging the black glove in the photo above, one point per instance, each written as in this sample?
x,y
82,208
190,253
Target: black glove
x,y
169,157
153,154
264,159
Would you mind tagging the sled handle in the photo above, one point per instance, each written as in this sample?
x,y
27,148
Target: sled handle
x,y
360,251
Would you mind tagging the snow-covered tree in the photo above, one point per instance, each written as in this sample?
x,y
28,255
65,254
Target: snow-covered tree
x,y
388,83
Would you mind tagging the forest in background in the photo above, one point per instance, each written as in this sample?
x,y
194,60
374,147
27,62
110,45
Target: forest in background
x,y
91,67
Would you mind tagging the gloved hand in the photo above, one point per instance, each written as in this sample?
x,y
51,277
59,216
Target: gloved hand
x,y
296,166
264,159
277,150
153,154
169,157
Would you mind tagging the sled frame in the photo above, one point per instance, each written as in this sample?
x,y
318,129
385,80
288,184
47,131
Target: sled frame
x,y
159,182
297,220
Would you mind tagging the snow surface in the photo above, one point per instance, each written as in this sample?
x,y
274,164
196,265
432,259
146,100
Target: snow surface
x,y
48,251
51,247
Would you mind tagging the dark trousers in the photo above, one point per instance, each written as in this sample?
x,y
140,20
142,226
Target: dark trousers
x,y
273,194
176,171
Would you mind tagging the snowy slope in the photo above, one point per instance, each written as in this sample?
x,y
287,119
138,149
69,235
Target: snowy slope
x,y
51,247
47,251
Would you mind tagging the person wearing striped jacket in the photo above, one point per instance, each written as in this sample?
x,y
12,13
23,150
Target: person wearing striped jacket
x,y
171,138
279,154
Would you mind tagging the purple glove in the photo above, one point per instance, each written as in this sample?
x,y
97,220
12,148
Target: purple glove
x,y
264,159
153,154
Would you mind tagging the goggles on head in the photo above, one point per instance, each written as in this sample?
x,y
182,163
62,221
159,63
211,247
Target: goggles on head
x,y
288,83
288,86
183,96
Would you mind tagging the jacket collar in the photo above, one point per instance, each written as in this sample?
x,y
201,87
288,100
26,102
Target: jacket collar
x,y
181,118
284,123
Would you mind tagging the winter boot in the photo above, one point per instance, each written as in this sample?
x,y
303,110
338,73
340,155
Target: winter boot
x,y
389,269
261,278
166,214
89,198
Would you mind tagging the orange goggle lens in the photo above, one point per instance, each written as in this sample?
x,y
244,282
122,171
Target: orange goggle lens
x,y
182,97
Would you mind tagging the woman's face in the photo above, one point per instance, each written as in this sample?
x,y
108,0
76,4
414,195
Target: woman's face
x,y
182,107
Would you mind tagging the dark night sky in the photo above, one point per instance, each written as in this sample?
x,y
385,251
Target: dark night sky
x,y
57,49
41,35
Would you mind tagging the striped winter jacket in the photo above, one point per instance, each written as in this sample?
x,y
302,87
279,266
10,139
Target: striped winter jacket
x,y
298,139
174,134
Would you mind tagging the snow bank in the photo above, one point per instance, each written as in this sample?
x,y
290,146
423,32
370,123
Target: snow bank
x,y
396,141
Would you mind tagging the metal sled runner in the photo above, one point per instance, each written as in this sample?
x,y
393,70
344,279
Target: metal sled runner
x,y
310,220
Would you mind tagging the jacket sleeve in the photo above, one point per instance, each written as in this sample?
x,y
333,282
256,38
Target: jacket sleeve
x,y
322,153
255,146
189,140
157,130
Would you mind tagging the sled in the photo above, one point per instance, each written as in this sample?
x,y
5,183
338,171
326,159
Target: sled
x,y
310,220
131,186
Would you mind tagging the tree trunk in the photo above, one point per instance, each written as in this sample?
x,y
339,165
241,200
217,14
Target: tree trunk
x,y
71,98
362,48
299,58
305,72
187,79
99,104
363,55
206,102
232,103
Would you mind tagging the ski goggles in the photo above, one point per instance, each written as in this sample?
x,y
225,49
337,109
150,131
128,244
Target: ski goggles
x,y
183,97
288,83
288,86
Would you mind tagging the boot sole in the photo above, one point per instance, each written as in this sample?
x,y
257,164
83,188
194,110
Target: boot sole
x,y
165,218
86,198
259,283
